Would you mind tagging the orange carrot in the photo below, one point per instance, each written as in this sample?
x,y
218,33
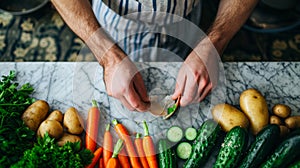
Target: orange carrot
x,y
124,135
138,142
107,145
97,155
123,159
149,148
92,127
101,163
113,162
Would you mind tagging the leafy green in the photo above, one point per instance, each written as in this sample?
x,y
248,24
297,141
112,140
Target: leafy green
x,y
46,153
15,137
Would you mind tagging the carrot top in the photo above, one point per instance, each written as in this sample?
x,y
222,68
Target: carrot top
x,y
117,148
146,130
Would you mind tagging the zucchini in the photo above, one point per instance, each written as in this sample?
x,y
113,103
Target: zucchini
x,y
190,133
166,155
184,150
285,153
263,145
203,144
232,148
174,134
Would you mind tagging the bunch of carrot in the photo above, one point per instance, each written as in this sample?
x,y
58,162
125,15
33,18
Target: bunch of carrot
x,y
137,153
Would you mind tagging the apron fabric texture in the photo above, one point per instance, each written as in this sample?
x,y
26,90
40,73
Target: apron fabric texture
x,y
142,27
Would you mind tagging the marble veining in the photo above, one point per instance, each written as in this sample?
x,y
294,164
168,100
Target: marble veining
x,y
66,84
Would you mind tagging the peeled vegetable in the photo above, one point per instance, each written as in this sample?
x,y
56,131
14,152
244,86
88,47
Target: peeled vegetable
x,y
254,105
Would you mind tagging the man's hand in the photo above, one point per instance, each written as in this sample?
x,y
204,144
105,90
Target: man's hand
x,y
198,75
124,82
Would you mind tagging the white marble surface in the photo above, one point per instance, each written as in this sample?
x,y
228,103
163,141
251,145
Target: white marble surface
x,y
76,84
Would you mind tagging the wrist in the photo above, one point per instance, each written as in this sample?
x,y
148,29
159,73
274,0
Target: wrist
x,y
103,48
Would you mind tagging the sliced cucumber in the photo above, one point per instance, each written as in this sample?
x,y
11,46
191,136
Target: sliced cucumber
x,y
190,133
174,134
184,150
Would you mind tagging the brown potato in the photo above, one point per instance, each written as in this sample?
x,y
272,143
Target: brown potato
x,y
228,117
68,138
35,114
284,130
292,122
281,110
52,127
56,115
72,121
254,105
275,120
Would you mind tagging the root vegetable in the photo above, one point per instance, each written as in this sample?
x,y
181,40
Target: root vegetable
x,y
52,127
72,121
35,114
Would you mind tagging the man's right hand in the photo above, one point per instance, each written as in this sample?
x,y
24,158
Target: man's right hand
x,y
123,80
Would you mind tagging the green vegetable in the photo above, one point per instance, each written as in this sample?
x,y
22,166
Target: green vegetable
x,y
184,150
285,153
190,133
203,144
263,145
166,155
295,164
174,134
232,148
15,137
46,153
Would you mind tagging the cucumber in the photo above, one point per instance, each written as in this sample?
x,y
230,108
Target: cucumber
x,y
184,150
190,133
285,153
232,148
174,134
295,164
166,155
263,145
203,144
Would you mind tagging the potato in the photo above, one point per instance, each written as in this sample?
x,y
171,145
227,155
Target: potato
x,y
254,105
228,117
55,115
68,138
284,130
281,110
292,122
35,114
72,121
52,127
275,120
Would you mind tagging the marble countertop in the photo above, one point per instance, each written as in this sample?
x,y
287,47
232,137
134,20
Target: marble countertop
x,y
65,84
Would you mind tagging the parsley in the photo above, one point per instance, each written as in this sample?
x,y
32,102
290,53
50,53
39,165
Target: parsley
x,y
46,153
15,136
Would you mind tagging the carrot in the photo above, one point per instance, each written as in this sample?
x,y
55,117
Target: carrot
x,y
149,148
113,162
92,127
138,142
123,159
107,145
97,155
124,135
101,163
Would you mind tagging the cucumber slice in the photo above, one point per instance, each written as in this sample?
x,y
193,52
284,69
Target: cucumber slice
x,y
184,150
190,133
174,134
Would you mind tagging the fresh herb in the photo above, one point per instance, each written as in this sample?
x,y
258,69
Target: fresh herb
x,y
46,153
15,137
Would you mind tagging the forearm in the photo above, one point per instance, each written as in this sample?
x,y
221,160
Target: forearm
x,y
79,16
231,15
